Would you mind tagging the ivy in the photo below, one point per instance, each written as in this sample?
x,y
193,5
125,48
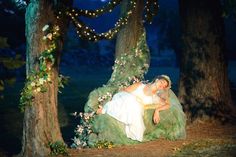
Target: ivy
x,y
37,81
58,148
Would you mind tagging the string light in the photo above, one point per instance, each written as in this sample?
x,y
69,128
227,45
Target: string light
x,y
88,33
95,13
151,9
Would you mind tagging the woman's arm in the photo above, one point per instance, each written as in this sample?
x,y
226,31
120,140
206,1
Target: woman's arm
x,y
132,87
156,116
163,107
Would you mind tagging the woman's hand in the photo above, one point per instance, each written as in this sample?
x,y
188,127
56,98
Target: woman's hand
x,y
156,117
99,110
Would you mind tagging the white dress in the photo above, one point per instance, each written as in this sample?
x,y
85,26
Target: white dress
x,y
128,108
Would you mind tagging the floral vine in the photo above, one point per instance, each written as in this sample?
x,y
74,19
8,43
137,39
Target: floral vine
x,y
120,78
83,130
36,81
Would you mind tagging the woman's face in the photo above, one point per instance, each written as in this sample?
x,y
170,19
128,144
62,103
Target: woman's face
x,y
161,84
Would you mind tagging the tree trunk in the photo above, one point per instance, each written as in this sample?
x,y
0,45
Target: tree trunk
x,y
129,62
204,86
40,123
128,37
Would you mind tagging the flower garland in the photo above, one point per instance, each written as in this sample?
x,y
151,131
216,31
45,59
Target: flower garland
x,y
36,81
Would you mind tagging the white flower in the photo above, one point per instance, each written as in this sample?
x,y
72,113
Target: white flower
x,y
41,81
45,28
38,89
44,37
32,84
49,78
77,141
57,28
80,129
74,114
146,65
84,144
49,36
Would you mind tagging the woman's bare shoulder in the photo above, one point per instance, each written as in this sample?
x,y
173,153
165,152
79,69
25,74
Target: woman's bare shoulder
x,y
133,87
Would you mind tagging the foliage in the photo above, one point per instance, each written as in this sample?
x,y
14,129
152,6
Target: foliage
x,y
10,63
103,144
37,81
3,42
229,8
20,4
58,148
83,130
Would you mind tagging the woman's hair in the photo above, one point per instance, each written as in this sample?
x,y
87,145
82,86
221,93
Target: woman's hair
x,y
164,77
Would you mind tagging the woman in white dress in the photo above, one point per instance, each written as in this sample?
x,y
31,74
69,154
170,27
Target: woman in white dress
x,y
128,105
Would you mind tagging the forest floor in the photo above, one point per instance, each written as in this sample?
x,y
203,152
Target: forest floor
x,y
203,139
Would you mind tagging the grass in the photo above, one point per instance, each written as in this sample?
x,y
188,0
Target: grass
x,y
208,148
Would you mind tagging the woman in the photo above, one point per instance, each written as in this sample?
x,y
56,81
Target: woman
x,y
128,105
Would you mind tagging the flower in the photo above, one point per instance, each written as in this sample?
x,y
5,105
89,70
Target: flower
x,y
41,81
44,37
49,78
32,84
57,28
74,114
38,89
80,129
45,28
49,36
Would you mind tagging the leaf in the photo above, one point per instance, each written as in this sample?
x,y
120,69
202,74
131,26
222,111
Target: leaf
x,y
12,63
11,81
1,85
3,42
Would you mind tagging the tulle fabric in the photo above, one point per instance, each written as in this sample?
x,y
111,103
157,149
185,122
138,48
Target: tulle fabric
x,y
171,126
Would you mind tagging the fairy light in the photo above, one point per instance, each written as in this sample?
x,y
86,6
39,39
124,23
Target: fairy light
x,y
151,9
89,33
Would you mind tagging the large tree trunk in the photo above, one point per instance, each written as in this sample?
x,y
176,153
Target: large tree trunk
x,y
130,37
40,123
204,86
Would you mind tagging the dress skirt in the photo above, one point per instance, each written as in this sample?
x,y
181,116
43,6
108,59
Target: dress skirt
x,y
125,108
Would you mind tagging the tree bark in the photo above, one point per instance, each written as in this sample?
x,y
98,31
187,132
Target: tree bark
x,y
204,86
129,35
40,123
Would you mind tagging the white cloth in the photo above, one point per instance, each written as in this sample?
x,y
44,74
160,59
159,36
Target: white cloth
x,y
127,109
